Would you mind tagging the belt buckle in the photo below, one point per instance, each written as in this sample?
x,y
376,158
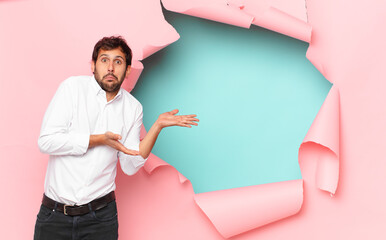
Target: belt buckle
x,y
65,210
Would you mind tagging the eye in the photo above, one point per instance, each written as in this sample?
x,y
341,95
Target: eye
x,y
119,62
104,60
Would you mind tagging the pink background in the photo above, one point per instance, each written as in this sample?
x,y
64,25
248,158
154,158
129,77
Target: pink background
x,y
44,42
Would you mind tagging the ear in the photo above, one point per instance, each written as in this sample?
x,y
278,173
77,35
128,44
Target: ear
x,y
128,69
92,66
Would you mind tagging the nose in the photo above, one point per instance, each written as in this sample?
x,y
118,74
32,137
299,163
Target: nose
x,y
111,67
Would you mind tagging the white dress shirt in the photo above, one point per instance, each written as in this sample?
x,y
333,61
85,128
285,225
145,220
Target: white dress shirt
x,y
76,174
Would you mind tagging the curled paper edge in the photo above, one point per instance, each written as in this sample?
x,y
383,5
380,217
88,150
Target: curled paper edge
x,y
252,206
213,11
135,72
136,64
154,162
314,59
324,136
281,22
149,49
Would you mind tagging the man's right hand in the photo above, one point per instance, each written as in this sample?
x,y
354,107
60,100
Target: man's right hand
x,y
112,140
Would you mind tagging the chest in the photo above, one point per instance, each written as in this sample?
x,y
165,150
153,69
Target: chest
x,y
93,115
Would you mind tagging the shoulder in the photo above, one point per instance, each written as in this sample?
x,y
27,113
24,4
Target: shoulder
x,y
77,84
131,100
77,81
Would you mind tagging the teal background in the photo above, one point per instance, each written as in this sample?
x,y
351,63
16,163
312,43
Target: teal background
x,y
254,92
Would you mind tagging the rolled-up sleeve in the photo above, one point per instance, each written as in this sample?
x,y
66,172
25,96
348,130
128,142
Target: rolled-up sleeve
x,y
131,164
55,137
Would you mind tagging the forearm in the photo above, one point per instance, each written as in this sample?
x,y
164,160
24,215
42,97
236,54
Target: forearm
x,y
147,144
63,143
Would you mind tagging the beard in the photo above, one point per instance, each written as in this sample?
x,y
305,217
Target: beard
x,y
107,85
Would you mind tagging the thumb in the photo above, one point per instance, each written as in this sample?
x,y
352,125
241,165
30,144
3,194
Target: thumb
x,y
117,137
174,112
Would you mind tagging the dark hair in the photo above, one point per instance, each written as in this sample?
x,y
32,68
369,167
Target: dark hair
x,y
110,43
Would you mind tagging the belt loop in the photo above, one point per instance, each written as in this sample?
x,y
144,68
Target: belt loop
x,y
56,205
89,206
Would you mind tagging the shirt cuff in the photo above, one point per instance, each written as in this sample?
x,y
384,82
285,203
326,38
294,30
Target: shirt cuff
x,y
80,142
131,164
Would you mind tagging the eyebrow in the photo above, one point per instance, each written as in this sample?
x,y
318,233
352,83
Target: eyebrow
x,y
106,55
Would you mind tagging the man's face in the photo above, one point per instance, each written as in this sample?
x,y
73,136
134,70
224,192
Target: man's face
x,y
110,69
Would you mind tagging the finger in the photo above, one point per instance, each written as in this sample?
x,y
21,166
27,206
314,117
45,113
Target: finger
x,y
132,152
118,146
117,137
191,123
113,136
192,119
174,112
184,125
190,115
128,151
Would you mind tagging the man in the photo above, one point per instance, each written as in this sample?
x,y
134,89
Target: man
x,y
91,123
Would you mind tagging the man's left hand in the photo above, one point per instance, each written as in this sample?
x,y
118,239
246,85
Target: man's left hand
x,y
168,119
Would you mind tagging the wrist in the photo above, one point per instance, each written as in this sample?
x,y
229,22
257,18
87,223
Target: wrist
x,y
96,140
158,126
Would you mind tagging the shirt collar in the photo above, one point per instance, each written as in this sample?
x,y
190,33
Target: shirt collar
x,y
95,86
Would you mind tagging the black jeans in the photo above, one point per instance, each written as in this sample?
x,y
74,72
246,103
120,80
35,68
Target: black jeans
x,y
95,225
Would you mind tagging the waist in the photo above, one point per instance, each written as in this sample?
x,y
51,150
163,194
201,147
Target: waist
x,y
76,210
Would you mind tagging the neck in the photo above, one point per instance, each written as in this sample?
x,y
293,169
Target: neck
x,y
111,95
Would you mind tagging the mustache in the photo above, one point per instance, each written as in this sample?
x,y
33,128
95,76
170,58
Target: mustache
x,y
110,74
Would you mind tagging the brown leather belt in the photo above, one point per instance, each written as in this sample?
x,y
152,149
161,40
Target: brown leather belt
x,y
81,209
